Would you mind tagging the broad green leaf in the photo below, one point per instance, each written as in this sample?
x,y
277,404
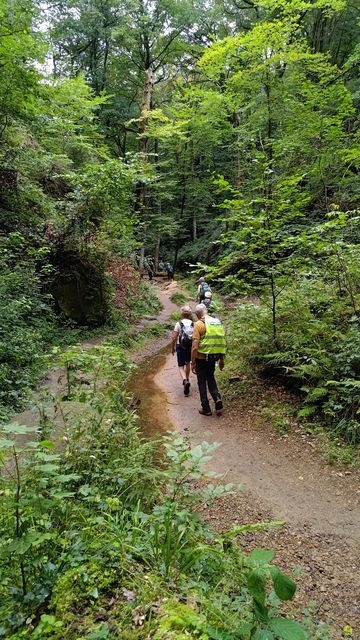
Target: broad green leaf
x,y
6,444
287,629
256,584
262,556
48,467
69,477
218,634
244,630
47,444
19,429
21,545
263,634
261,612
284,587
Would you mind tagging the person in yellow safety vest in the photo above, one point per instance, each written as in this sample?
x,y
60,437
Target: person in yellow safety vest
x,y
208,347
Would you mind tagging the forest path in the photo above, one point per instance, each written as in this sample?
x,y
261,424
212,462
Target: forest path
x,y
283,477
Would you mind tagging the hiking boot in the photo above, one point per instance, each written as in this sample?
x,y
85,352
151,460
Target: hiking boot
x,y
205,412
186,387
219,406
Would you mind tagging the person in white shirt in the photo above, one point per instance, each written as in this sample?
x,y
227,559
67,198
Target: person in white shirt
x,y
181,344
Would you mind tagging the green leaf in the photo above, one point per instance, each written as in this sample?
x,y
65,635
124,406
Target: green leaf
x,y
47,444
263,634
218,634
287,629
262,556
284,587
256,584
19,429
20,546
244,630
6,444
69,477
258,526
261,612
48,467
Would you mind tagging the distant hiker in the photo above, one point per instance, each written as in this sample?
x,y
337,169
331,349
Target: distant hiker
x,y
207,300
182,343
202,289
169,271
161,266
150,269
208,347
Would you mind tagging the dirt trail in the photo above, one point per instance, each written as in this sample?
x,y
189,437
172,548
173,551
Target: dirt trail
x,y
282,478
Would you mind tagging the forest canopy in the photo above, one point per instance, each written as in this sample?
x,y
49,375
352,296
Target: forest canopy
x,y
222,135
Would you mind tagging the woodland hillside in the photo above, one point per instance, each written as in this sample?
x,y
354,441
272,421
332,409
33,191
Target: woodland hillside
x,y
222,136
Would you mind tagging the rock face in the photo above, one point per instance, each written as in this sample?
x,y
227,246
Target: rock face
x,y
79,289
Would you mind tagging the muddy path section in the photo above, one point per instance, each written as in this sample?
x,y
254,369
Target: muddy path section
x,y
282,477
149,398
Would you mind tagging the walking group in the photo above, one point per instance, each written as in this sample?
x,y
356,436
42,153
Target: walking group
x,y
199,346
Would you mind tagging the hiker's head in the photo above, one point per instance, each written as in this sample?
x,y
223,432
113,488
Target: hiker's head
x,y
207,294
202,279
186,312
200,310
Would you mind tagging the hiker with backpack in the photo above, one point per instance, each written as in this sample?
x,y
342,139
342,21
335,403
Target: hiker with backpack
x,y
207,300
181,344
169,271
203,288
208,348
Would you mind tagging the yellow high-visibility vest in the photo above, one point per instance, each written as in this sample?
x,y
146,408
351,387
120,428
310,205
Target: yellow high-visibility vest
x,y
213,341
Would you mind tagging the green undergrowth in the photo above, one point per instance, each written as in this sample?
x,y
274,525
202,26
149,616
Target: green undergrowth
x,y
155,330
32,336
178,298
284,409
100,538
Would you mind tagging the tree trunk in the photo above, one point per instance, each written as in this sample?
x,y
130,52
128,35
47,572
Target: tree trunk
x,y
142,258
194,226
156,255
143,148
144,109
273,309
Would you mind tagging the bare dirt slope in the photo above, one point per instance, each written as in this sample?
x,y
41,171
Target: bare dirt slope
x,y
283,477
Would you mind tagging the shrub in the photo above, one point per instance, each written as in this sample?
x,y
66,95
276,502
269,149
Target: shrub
x,y
316,351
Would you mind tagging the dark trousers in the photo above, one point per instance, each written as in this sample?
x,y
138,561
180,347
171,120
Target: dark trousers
x,y
205,370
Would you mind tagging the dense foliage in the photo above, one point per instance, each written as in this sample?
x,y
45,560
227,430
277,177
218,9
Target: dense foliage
x,y
222,133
